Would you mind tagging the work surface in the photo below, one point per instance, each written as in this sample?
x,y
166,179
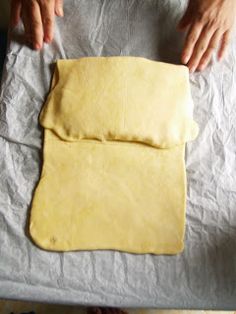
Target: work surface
x,y
204,275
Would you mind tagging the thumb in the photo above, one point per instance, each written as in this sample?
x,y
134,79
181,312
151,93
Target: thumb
x,y
186,19
15,12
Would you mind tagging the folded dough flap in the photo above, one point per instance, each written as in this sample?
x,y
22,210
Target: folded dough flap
x,y
120,98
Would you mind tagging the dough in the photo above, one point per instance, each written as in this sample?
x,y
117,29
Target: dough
x,y
121,98
113,173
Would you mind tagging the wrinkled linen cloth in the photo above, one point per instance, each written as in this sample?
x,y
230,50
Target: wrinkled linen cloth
x,y
204,275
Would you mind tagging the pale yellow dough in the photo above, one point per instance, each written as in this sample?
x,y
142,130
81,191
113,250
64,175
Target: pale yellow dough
x,y
113,173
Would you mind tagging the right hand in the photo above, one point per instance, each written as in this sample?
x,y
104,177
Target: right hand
x,y
209,24
37,17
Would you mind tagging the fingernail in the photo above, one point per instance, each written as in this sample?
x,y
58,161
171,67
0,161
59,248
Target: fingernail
x,y
47,39
192,69
202,66
185,59
60,12
37,46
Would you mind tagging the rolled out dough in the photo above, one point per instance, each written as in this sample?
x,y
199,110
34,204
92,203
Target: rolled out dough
x,y
113,173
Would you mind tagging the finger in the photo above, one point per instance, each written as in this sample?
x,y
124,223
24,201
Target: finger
x,y
35,24
200,47
26,24
47,12
191,39
59,8
186,18
206,58
223,45
15,12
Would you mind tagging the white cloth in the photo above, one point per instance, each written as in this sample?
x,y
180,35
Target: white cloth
x,y
204,275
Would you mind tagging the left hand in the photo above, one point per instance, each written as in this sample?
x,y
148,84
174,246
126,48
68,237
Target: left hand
x,y
209,24
37,17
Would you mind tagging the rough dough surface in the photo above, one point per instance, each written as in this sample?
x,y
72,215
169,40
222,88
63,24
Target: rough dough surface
x,y
113,173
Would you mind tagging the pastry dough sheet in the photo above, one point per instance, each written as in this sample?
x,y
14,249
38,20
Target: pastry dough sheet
x,y
113,174
120,98
123,196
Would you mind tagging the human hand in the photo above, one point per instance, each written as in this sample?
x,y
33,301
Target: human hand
x,y
37,17
209,24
